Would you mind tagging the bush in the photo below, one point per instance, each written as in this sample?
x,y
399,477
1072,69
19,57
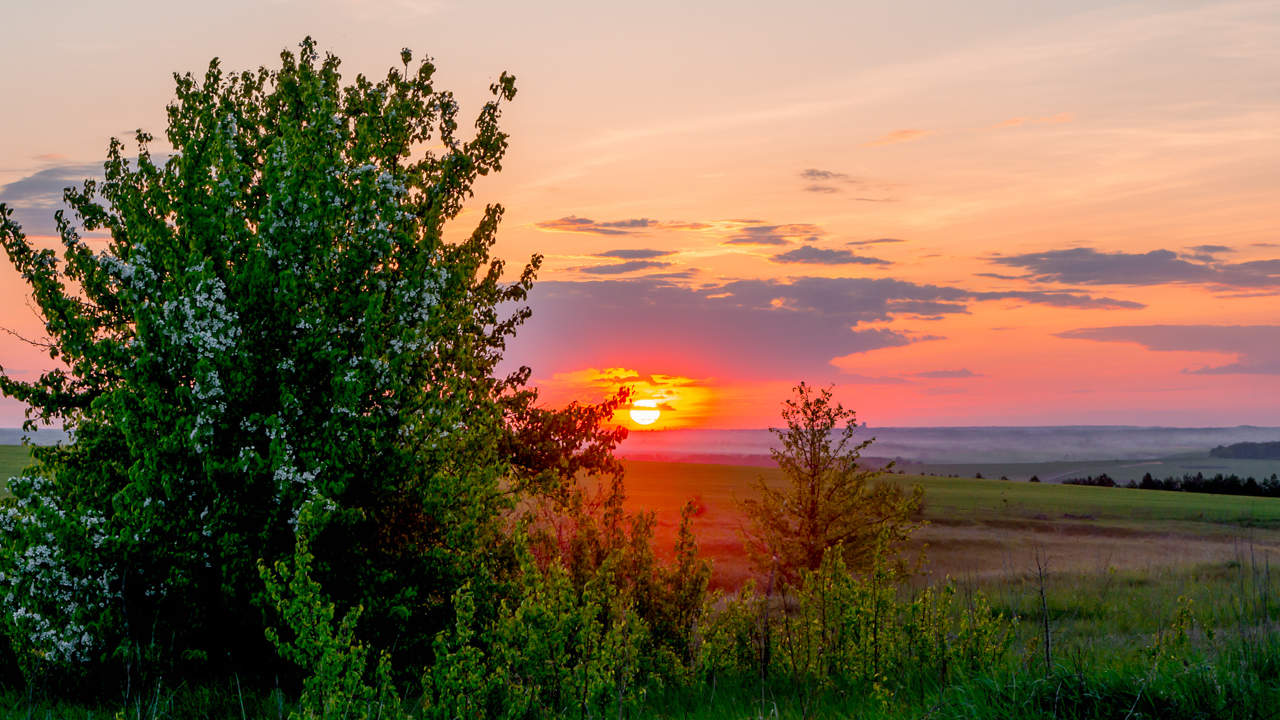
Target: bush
x,y
554,649
341,681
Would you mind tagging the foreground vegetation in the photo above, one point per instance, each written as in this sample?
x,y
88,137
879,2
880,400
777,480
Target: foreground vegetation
x,y
1194,642
13,458
1170,641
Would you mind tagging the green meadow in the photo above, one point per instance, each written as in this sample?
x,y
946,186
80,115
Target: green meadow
x,y
989,528
13,458
1122,471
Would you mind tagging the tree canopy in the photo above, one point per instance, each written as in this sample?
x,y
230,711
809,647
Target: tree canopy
x,y
276,319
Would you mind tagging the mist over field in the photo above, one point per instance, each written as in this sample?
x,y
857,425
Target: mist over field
x,y
961,444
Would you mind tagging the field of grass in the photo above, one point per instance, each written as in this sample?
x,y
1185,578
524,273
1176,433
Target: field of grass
x,y
989,528
1121,471
1121,567
12,459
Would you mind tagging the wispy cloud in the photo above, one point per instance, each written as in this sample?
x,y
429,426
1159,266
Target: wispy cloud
x,y
832,182
877,241
948,374
1253,345
760,234
35,197
860,379
573,223
634,254
898,136
1211,249
818,175
630,226
622,267
1058,119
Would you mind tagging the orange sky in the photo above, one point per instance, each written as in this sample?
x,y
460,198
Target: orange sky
x,y
973,214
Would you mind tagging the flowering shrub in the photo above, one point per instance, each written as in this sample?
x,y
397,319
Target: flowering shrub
x,y
276,317
59,589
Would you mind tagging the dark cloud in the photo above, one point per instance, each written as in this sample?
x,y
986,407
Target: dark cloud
x,y
636,254
757,234
1207,253
829,182
1253,345
573,223
1268,267
34,198
1086,266
824,175
859,379
1062,299
820,256
757,240
960,373
877,241
741,328
622,267
672,275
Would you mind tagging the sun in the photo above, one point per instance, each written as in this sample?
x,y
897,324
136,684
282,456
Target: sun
x,y
645,412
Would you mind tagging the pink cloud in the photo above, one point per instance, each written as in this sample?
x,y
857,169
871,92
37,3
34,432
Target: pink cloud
x,y
898,136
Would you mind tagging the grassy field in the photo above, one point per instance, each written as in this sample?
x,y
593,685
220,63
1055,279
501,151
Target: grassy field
x,y
1120,567
990,528
12,459
1121,471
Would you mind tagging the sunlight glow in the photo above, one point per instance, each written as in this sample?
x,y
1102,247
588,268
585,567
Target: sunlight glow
x,y
642,415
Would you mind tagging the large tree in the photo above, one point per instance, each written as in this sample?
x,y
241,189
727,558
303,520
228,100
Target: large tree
x,y
830,500
275,319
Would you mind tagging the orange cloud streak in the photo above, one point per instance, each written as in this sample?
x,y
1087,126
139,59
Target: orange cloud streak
x,y
898,136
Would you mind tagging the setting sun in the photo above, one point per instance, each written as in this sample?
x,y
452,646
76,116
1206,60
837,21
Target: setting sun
x,y
645,412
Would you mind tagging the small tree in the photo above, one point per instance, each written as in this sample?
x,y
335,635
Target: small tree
x,y
830,500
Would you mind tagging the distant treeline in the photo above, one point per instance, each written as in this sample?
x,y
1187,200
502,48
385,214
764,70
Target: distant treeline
x,y
1248,451
1217,485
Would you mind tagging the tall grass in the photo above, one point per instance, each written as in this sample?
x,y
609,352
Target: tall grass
x,y
1194,643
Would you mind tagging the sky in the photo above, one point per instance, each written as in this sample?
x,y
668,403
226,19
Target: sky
x,y
982,213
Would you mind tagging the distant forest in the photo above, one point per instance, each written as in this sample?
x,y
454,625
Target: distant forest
x,y
1217,485
1248,451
